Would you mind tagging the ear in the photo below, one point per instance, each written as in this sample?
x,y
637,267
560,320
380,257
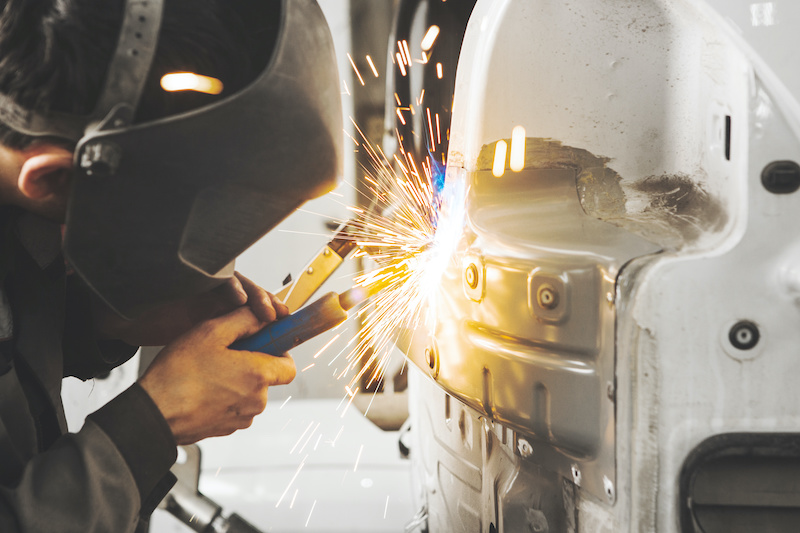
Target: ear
x,y
44,172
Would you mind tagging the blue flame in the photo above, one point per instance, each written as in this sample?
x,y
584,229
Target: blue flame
x,y
437,176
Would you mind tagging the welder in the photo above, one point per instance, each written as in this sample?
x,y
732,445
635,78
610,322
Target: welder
x,y
123,204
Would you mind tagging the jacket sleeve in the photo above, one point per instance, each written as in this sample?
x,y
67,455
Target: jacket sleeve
x,y
96,480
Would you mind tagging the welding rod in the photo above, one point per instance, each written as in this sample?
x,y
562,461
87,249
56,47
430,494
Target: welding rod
x,y
295,329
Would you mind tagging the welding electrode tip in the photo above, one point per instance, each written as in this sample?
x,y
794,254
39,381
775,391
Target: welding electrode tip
x,y
352,297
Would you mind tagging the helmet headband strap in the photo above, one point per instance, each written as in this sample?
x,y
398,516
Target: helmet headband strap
x,y
125,79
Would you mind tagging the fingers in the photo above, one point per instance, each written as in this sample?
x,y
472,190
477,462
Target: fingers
x,y
250,407
227,329
265,305
237,401
255,372
203,388
267,370
240,295
227,296
278,370
280,307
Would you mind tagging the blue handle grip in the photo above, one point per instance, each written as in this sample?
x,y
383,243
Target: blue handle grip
x,y
274,339
293,330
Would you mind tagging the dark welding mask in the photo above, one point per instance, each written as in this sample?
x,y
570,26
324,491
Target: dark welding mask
x,y
159,210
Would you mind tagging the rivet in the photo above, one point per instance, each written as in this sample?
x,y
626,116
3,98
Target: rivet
x,y
610,391
547,296
429,358
471,276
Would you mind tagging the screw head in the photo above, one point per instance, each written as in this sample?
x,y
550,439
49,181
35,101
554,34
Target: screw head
x,y
100,158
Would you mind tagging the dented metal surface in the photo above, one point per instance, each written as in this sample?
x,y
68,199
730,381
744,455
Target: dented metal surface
x,y
672,210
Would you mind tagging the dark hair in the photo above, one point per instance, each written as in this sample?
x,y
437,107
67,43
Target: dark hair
x,y
54,54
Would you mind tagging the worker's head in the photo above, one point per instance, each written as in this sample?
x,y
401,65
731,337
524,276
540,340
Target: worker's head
x,y
54,56
162,188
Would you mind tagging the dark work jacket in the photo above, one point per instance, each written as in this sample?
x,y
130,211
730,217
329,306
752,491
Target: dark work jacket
x,y
116,468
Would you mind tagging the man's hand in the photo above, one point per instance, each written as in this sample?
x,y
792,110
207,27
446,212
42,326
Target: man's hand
x,y
203,388
161,325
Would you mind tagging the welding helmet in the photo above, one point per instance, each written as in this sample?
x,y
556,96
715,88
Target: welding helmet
x,y
159,210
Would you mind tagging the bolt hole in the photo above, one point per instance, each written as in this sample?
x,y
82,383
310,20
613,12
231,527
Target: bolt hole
x,y
576,475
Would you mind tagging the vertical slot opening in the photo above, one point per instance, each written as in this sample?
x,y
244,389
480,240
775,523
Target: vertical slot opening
x,y
728,137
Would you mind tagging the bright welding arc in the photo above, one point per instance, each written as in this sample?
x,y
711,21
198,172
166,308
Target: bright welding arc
x,y
405,235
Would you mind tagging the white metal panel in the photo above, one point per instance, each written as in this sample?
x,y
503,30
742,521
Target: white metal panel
x,y
648,86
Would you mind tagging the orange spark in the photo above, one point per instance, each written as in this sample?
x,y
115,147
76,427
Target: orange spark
x,y
430,127
407,53
401,57
400,64
356,69
430,38
372,66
